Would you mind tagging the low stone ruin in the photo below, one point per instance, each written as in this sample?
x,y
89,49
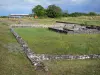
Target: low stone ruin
x,y
72,28
67,57
35,60
29,26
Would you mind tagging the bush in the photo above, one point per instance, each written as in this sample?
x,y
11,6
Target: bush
x,y
76,14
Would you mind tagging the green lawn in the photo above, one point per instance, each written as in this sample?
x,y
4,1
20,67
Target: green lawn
x,y
45,41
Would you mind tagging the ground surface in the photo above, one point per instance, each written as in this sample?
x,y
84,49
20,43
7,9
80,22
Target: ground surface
x,y
14,62
74,67
87,20
49,42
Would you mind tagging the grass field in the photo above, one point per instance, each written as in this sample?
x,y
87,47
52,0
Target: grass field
x,y
45,41
74,67
87,20
14,62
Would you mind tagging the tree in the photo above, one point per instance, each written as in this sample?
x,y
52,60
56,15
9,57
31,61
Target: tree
x,y
54,11
39,11
92,14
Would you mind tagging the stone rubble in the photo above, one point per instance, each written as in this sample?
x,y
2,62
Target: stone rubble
x,y
71,28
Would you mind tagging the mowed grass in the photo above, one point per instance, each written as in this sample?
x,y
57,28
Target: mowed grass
x,y
74,67
11,62
48,42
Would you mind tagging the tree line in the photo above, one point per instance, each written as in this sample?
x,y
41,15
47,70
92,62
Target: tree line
x,y
54,11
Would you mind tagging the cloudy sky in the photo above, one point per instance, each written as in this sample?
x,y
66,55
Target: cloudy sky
x,y
24,6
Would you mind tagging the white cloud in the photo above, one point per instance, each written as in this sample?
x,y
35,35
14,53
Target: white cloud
x,y
16,5
79,1
48,2
12,5
45,2
29,3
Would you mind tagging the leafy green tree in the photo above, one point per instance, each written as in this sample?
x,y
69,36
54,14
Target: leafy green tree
x,y
54,11
39,11
92,14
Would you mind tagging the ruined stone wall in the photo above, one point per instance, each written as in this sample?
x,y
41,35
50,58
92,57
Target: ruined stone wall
x,y
71,28
67,57
35,60
39,57
30,26
87,26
